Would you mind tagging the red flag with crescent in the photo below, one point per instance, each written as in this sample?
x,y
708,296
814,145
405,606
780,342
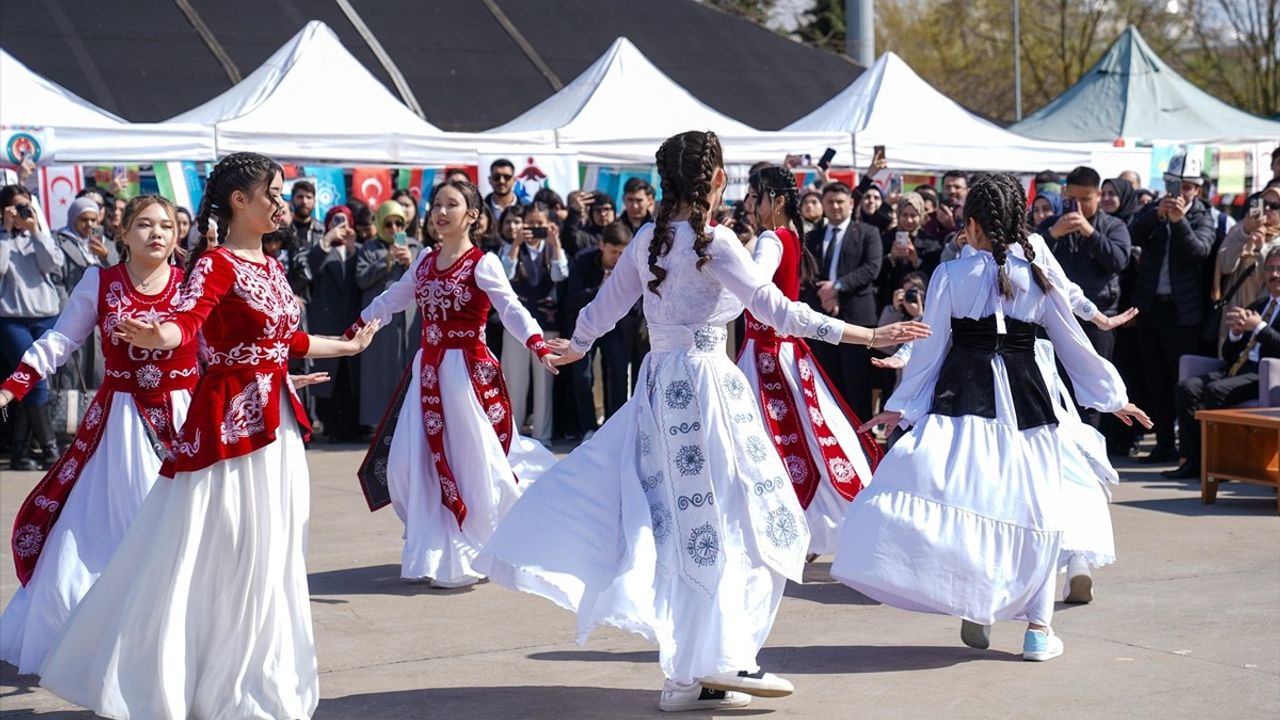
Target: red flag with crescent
x,y
372,185
58,187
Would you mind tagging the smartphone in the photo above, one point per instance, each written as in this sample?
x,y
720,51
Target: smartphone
x,y
97,233
402,238
901,239
1173,188
876,151
1071,206
339,219
825,161
539,232
1257,208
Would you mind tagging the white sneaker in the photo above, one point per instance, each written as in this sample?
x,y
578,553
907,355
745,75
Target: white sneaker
x,y
1079,585
454,584
1041,645
759,683
695,697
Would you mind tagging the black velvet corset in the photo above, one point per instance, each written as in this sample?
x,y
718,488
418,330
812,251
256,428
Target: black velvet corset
x,y
966,385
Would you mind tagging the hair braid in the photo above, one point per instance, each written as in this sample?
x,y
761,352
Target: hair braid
x,y
237,172
773,181
1015,197
687,163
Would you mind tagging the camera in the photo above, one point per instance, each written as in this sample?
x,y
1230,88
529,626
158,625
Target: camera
x,y
538,232
912,295
24,212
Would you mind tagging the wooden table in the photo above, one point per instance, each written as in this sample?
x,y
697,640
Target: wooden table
x,y
1241,445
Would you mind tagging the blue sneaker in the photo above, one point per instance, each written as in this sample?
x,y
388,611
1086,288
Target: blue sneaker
x,y
1041,645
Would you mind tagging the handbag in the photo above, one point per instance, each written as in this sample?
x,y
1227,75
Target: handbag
x,y
70,404
1212,326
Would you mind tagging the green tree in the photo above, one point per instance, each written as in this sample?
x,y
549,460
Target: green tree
x,y
757,11
823,25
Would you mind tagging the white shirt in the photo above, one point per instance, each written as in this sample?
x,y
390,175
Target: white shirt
x,y
835,234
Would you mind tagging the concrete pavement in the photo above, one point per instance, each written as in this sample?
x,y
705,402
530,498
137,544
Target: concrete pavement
x,y
1185,625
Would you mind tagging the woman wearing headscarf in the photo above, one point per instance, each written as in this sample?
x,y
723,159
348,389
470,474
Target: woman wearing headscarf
x,y
83,247
1119,199
1046,205
380,262
906,249
874,211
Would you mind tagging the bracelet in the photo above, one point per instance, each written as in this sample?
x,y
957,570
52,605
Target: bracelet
x,y
872,341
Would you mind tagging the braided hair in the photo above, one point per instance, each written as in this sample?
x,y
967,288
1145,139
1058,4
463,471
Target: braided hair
x,y
686,164
772,181
242,171
997,203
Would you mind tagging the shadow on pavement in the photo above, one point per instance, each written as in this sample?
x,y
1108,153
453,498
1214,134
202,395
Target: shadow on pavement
x,y
861,659
478,703
372,580
1233,499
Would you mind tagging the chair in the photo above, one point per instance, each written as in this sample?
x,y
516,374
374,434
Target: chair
x,y
1268,377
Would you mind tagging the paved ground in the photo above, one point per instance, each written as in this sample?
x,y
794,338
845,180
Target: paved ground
x,y
1186,625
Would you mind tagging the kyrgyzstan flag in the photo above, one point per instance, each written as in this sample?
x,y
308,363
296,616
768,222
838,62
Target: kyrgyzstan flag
x,y
372,186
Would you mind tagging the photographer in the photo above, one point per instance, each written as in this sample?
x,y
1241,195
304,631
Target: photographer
x,y
907,304
30,273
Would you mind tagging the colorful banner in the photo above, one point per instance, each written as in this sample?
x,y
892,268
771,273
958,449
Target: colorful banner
x,y
104,176
59,185
331,187
555,170
372,186
171,180
1232,168
18,142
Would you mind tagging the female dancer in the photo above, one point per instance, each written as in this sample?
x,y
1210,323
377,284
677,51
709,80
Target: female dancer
x,y
936,532
827,461
72,521
456,463
203,612
676,520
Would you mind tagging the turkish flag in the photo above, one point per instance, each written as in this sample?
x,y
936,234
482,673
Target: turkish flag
x,y
372,185
58,187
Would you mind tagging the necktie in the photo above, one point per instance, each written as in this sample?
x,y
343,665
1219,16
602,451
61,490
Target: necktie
x,y
1248,348
829,254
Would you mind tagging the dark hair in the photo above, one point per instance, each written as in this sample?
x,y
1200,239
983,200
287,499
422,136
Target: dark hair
x,y
997,203
363,215
469,193
501,162
836,186
179,210
772,182
916,278
602,200
1048,176
811,193
414,230
242,171
686,164
513,210
928,194
1275,154
450,172
9,193
1084,176
636,184
489,241
142,202
616,233
955,174
549,197
303,186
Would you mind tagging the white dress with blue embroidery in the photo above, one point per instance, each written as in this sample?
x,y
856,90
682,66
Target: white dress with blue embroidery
x,y
965,514
676,520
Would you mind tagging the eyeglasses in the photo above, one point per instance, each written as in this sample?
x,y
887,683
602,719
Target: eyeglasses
x,y
1271,205
501,178
393,224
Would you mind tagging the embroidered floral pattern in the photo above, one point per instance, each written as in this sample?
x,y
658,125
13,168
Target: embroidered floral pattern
x,y
496,413
735,386
757,450
645,442
704,545
660,518
777,409
689,460
68,471
94,416
767,362
434,334
797,468
149,377
485,372
705,338
651,482
28,540
267,290
678,395
815,416
782,528
244,416
158,417
429,377
842,469
45,503
433,422
806,370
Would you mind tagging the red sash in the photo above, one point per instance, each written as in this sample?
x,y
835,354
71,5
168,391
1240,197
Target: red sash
x,y
44,504
787,425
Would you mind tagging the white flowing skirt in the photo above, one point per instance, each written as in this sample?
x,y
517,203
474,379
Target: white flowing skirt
x,y
434,546
204,610
583,538
827,509
964,518
106,497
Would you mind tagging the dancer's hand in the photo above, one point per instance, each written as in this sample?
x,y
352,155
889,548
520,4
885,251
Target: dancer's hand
x,y
898,333
1131,412
1107,324
888,418
893,362
301,381
6,397
360,341
566,356
550,361
559,345
140,334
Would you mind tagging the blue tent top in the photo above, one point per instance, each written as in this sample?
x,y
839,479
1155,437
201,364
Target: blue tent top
x,y
1131,93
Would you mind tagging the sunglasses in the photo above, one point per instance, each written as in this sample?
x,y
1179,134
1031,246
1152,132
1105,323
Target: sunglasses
x,y
501,178
393,224
1271,205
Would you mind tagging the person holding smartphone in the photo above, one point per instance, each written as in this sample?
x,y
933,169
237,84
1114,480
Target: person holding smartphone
x,y
83,245
30,275
1238,279
536,265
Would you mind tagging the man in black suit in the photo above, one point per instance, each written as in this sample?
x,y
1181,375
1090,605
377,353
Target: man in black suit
x,y
1176,237
1253,336
850,254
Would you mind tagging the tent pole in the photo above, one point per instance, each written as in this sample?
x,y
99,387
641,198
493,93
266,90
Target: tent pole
x,y
397,77
1017,61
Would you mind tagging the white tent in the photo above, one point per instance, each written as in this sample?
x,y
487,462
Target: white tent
x,y
597,116
82,132
280,110
922,129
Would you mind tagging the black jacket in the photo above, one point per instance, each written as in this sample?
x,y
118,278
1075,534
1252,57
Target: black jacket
x,y
1268,339
1093,262
1187,244
857,268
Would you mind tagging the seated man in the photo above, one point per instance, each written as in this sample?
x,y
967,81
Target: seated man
x,y
1253,335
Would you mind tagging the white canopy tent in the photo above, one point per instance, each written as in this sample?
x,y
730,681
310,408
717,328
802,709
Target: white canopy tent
x,y
83,132
922,129
262,113
592,115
